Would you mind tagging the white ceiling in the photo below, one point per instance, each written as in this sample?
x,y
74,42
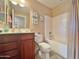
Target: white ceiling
x,y
51,3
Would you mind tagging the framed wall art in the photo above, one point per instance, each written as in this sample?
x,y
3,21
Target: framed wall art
x,y
35,17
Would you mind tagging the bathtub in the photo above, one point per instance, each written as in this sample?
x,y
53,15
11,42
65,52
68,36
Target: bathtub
x,y
59,48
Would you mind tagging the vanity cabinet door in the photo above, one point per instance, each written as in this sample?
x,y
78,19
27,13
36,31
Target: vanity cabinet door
x,y
9,47
27,49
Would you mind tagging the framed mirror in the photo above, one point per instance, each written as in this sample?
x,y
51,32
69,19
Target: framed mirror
x,y
18,16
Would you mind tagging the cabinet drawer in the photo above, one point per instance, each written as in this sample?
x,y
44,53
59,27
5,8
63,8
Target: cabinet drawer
x,y
28,36
9,46
15,57
1,48
11,53
7,57
1,38
9,38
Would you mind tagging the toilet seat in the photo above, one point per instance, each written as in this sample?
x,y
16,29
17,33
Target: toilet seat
x,y
45,47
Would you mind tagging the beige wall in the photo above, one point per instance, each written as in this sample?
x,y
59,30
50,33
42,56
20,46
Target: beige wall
x,y
42,10
36,27
60,20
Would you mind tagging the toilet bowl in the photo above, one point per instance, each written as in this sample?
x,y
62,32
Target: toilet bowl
x,y
44,48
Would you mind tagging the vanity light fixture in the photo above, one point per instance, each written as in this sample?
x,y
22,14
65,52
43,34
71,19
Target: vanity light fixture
x,y
21,3
14,2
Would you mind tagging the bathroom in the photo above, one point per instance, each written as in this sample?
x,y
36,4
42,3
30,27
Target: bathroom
x,y
43,22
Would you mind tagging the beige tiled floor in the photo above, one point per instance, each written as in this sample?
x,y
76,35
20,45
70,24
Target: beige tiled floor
x,y
52,56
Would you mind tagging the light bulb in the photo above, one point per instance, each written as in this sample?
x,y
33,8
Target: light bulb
x,y
22,1
13,2
21,5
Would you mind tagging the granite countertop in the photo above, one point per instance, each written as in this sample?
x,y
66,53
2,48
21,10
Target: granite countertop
x,y
15,32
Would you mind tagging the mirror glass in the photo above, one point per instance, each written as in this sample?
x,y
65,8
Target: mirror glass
x,y
2,12
17,16
19,22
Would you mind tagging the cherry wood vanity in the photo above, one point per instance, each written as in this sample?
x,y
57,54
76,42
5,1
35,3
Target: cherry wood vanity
x,y
17,46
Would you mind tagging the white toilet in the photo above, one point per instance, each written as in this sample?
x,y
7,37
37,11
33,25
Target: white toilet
x,y
44,48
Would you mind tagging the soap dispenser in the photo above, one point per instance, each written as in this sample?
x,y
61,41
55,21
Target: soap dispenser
x,y
6,28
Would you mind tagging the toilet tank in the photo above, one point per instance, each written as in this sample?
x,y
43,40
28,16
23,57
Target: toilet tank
x,y
38,37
